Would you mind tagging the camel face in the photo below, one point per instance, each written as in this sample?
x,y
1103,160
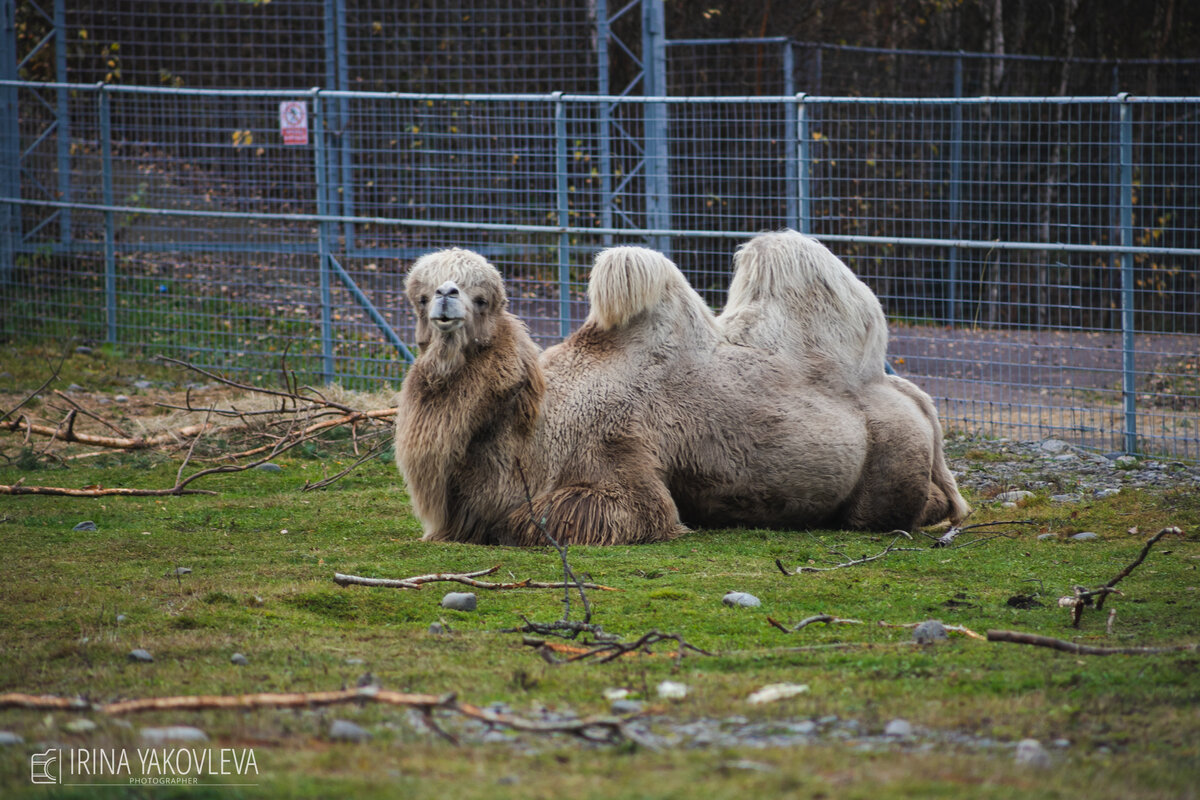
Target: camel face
x,y
447,312
458,297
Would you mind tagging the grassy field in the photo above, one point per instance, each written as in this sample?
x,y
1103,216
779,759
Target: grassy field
x,y
262,555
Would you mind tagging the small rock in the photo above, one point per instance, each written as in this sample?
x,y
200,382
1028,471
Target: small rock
x,y
1031,754
776,691
354,662
741,599
805,727
459,601
344,731
86,525
929,631
613,695
1055,446
8,738
899,728
173,733
1125,462
1065,498
1044,536
1085,536
1103,493
1062,743
1014,496
80,726
140,655
143,384
75,387
437,628
269,467
121,618
84,350
670,690
626,707
239,659
121,398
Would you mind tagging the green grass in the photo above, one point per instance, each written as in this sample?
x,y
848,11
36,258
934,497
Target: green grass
x,y
262,556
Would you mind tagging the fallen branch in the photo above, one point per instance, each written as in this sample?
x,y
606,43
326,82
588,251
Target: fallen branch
x,y
468,578
965,631
608,729
53,377
1016,637
891,548
59,491
1140,558
946,539
826,619
93,440
611,650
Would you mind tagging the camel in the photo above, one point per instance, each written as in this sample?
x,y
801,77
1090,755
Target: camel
x,y
644,419
792,296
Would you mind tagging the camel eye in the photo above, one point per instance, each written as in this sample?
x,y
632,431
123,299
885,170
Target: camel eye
x,y
422,300
481,301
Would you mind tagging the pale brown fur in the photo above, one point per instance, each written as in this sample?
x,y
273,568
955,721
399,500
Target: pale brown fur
x,y
645,414
792,296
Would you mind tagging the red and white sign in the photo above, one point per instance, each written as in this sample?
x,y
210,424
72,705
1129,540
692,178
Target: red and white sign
x,y
293,121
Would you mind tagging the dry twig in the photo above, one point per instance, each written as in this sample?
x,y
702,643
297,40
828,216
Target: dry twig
x,y
608,729
827,619
610,650
468,578
891,548
1016,637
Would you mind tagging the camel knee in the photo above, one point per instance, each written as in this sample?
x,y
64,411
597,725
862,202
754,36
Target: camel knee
x,y
599,515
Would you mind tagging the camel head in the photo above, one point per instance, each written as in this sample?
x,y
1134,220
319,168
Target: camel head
x,y
459,300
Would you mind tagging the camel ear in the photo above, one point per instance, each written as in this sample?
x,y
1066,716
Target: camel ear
x,y
423,332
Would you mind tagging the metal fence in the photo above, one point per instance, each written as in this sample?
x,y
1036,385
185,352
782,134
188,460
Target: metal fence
x,y
1037,257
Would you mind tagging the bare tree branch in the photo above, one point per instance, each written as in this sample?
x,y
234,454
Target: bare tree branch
x,y
1016,637
468,578
827,619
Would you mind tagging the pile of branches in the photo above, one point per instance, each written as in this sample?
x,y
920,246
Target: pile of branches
x,y
297,416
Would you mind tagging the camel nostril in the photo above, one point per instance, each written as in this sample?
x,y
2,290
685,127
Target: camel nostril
x,y
447,289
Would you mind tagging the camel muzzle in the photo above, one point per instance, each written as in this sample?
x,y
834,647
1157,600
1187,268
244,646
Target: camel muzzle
x,y
447,312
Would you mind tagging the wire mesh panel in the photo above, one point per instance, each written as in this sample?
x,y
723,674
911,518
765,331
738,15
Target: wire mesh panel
x,y
1037,257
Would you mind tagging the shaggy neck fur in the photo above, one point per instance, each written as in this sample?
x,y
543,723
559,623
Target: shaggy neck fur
x,y
459,393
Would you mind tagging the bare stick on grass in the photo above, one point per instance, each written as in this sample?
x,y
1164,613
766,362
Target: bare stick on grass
x,y
1017,637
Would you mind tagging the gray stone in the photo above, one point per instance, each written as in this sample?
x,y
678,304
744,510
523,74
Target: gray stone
x,y
1043,536
8,738
805,727
121,618
180,571
929,631
143,384
84,350
1030,753
239,659
1014,496
86,525
80,726
344,731
140,655
1103,493
75,387
1062,744
121,398
741,599
625,706
1055,446
899,727
173,733
437,628
354,662
269,467
1085,536
1065,498
459,601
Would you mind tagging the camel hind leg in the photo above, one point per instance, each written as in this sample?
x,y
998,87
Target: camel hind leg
x,y
945,501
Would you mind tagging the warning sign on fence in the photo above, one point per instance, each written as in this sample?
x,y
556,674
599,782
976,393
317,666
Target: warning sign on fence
x,y
293,121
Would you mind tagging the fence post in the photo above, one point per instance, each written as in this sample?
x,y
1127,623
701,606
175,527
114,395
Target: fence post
x,y
324,236
956,143
10,144
804,165
604,111
654,84
564,215
110,233
790,155
63,121
1125,238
